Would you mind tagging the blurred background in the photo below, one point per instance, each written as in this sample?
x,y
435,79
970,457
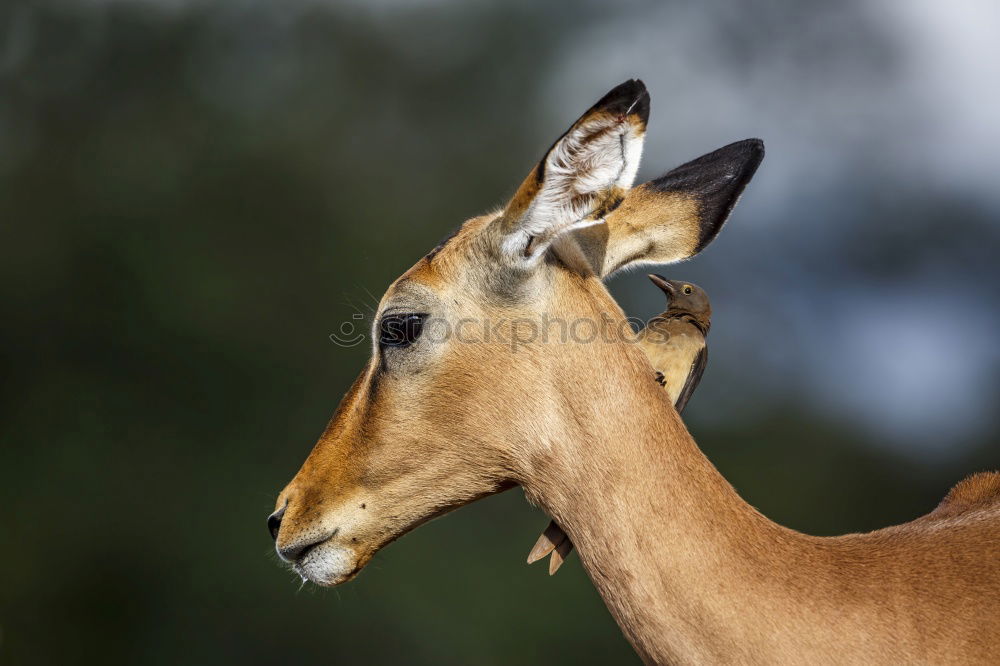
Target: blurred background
x,y
194,195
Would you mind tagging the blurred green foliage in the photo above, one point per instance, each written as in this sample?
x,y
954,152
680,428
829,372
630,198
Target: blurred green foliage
x,y
190,202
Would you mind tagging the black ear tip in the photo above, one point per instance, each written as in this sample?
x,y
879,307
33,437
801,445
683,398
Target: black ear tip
x,y
749,151
631,88
716,179
753,149
752,155
745,155
628,98
729,167
735,165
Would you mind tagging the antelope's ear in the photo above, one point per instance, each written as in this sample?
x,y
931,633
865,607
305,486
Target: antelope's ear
x,y
585,170
673,217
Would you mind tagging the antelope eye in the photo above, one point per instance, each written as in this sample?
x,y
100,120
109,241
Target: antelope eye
x,y
687,290
400,330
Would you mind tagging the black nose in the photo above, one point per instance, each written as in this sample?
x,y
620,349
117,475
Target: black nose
x,y
274,522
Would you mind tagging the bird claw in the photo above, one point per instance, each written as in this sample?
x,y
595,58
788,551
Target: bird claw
x,y
552,541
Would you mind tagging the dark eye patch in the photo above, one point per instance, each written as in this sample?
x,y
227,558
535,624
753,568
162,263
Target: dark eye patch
x,y
400,330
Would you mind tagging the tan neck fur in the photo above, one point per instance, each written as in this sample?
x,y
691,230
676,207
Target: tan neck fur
x,y
693,574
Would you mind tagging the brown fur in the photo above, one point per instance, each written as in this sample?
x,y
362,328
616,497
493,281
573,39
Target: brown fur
x,y
644,224
978,492
691,573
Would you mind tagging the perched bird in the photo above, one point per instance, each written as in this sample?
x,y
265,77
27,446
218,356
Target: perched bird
x,y
675,343
675,340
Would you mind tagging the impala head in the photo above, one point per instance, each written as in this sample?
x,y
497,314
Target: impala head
x,y
481,346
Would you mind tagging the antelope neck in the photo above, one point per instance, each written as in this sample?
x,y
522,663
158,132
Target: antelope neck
x,y
670,546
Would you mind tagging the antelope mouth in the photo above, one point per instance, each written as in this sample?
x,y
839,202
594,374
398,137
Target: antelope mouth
x,y
328,564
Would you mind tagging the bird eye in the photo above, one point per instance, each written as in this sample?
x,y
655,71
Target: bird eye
x,y
400,330
687,289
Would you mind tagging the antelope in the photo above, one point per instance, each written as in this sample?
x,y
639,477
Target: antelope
x,y
691,572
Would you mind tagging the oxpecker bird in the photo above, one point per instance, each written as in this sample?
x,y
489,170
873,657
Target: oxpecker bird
x,y
675,340
675,343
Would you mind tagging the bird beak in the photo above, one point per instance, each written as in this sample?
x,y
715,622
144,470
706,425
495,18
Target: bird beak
x,y
663,284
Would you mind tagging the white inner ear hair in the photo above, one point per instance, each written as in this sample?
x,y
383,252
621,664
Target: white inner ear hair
x,y
595,157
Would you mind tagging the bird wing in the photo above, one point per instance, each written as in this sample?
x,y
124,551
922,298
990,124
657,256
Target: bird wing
x,y
694,376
